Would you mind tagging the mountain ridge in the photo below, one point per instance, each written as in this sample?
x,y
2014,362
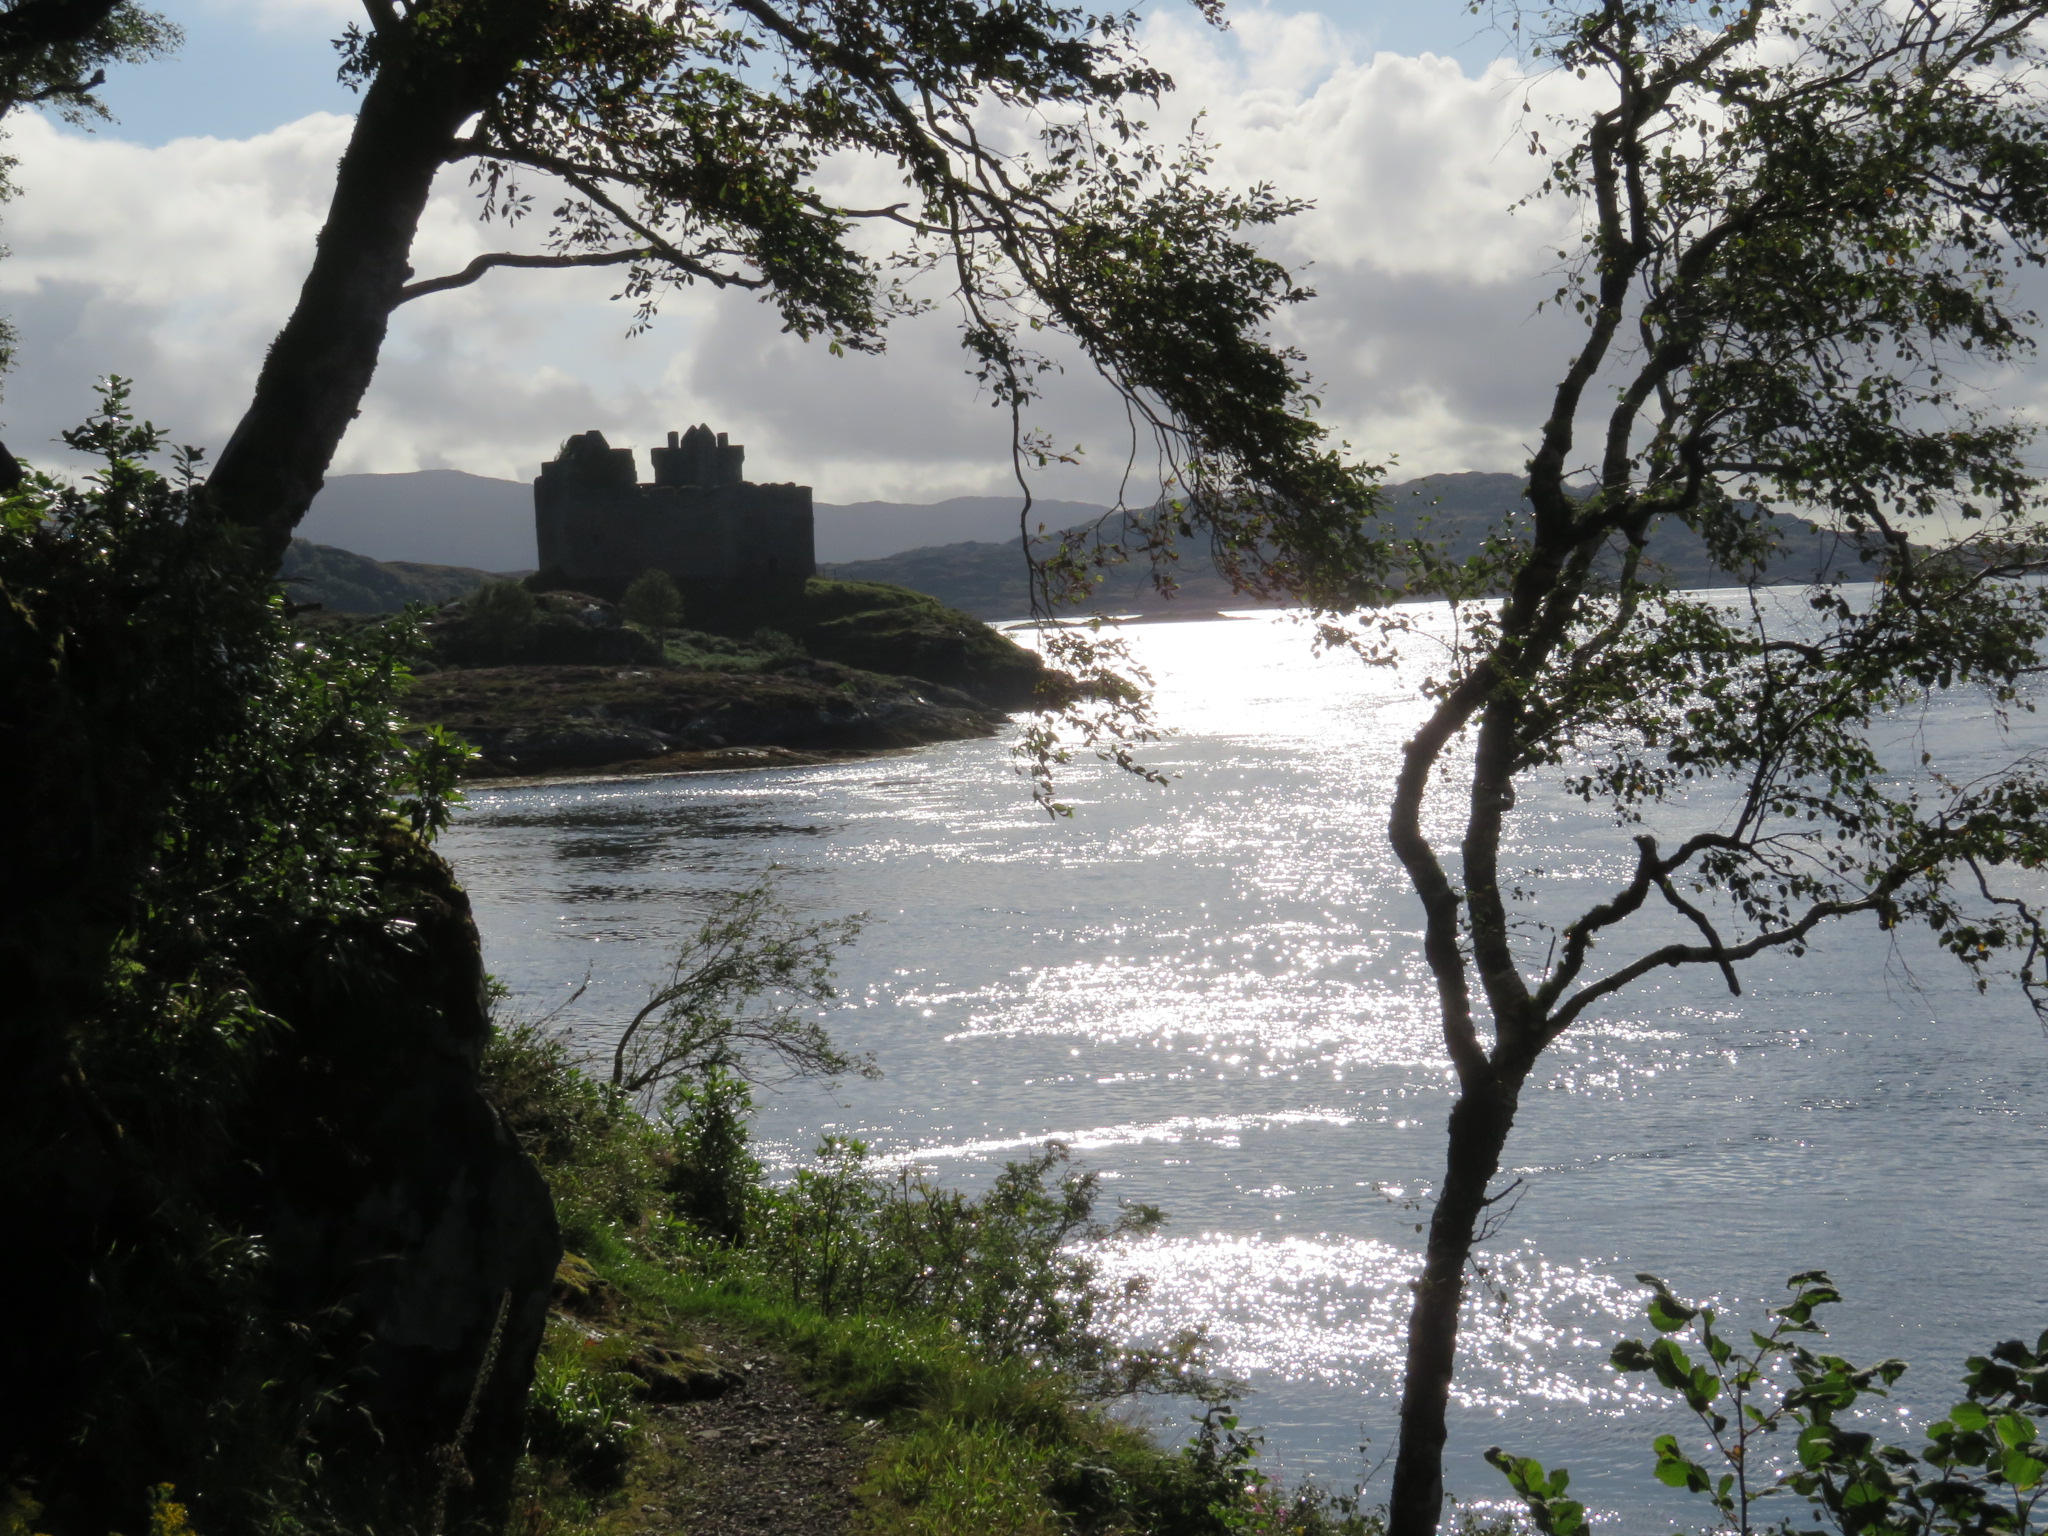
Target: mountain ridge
x,y
453,518
469,524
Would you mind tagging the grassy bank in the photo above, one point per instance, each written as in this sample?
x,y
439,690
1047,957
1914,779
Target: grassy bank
x,y
968,1343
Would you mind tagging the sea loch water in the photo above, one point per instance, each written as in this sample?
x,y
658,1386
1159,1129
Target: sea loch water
x,y
1213,992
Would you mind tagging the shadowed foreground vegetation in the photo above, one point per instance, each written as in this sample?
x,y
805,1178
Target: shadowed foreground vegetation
x,y
968,1341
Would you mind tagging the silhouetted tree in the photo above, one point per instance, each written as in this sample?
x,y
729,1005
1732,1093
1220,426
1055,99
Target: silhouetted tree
x,y
55,52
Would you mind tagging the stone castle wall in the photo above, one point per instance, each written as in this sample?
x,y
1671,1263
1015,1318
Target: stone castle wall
x,y
699,520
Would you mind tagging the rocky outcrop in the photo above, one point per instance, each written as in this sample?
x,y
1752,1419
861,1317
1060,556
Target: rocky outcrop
x,y
560,629
554,719
401,1218
897,632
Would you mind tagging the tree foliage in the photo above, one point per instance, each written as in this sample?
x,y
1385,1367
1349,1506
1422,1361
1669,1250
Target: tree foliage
x,y
1801,229
208,812
741,997
689,144
55,52
1980,1473
653,603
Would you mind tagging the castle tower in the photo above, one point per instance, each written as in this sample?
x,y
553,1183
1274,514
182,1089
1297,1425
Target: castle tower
x,y
700,458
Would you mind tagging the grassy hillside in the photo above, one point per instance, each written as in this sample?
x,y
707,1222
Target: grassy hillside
x,y
343,582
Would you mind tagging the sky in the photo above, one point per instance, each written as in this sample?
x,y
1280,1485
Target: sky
x,y
168,246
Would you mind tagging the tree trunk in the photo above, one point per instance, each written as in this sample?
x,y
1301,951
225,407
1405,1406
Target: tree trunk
x,y
320,366
1480,1122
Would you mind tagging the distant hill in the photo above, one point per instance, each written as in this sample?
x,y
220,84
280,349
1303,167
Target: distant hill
x,y
962,551
343,582
869,530
988,580
431,516
447,517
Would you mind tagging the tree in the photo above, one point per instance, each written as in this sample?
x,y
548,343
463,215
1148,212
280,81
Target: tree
x,y
54,52
706,1016
653,603
1800,230
238,1045
684,143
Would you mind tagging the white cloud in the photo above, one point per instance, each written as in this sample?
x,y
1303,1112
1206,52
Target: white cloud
x,y
176,264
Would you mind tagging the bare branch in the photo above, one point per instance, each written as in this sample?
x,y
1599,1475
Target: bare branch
x,y
482,264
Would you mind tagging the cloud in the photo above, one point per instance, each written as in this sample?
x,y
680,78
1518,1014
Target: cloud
x,y
175,264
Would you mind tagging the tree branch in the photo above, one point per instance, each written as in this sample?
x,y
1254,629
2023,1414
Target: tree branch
x,y
482,264
1699,954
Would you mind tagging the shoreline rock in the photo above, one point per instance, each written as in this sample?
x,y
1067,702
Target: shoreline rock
x,y
527,721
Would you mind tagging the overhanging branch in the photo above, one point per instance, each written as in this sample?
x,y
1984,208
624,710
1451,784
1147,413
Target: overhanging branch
x,y
483,264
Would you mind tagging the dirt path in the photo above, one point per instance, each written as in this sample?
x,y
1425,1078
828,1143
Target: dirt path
x,y
760,1457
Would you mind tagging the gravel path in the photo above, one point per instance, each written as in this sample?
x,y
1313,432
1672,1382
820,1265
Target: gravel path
x,y
761,1457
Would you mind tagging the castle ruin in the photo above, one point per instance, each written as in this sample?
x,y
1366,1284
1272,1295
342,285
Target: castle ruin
x,y
598,527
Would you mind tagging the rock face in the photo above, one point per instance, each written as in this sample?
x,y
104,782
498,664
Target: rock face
x,y
554,719
340,1264
392,1200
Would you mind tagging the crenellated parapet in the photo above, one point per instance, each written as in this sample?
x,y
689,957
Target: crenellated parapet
x,y
599,527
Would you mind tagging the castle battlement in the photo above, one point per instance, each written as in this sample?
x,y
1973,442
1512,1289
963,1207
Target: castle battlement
x,y
598,526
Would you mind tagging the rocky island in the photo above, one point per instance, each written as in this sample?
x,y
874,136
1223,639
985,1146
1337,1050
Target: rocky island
x,y
735,653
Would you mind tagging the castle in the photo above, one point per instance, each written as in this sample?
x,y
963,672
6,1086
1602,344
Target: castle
x,y
598,527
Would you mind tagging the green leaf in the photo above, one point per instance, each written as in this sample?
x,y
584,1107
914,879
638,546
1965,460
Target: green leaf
x,y
1673,1474
1677,1470
1673,1368
2015,1430
2024,1472
1969,1417
1816,1445
1668,1314
1631,1355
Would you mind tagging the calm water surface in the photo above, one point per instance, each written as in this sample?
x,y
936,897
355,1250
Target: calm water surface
x,y
1213,992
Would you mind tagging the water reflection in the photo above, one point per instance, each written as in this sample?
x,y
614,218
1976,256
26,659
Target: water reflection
x,y
1215,992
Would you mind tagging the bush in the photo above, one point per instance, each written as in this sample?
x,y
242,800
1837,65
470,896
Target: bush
x,y
580,1412
738,999
605,1163
713,1181
1983,1470
1013,1271
653,603
201,800
504,624
501,615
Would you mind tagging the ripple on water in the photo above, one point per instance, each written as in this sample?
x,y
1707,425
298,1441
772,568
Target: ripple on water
x,y
1213,992
1332,1310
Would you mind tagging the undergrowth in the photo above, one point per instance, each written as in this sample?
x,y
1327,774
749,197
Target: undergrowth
x,y
973,1333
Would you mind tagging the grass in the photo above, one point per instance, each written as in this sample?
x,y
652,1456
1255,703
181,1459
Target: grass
x,y
965,1441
